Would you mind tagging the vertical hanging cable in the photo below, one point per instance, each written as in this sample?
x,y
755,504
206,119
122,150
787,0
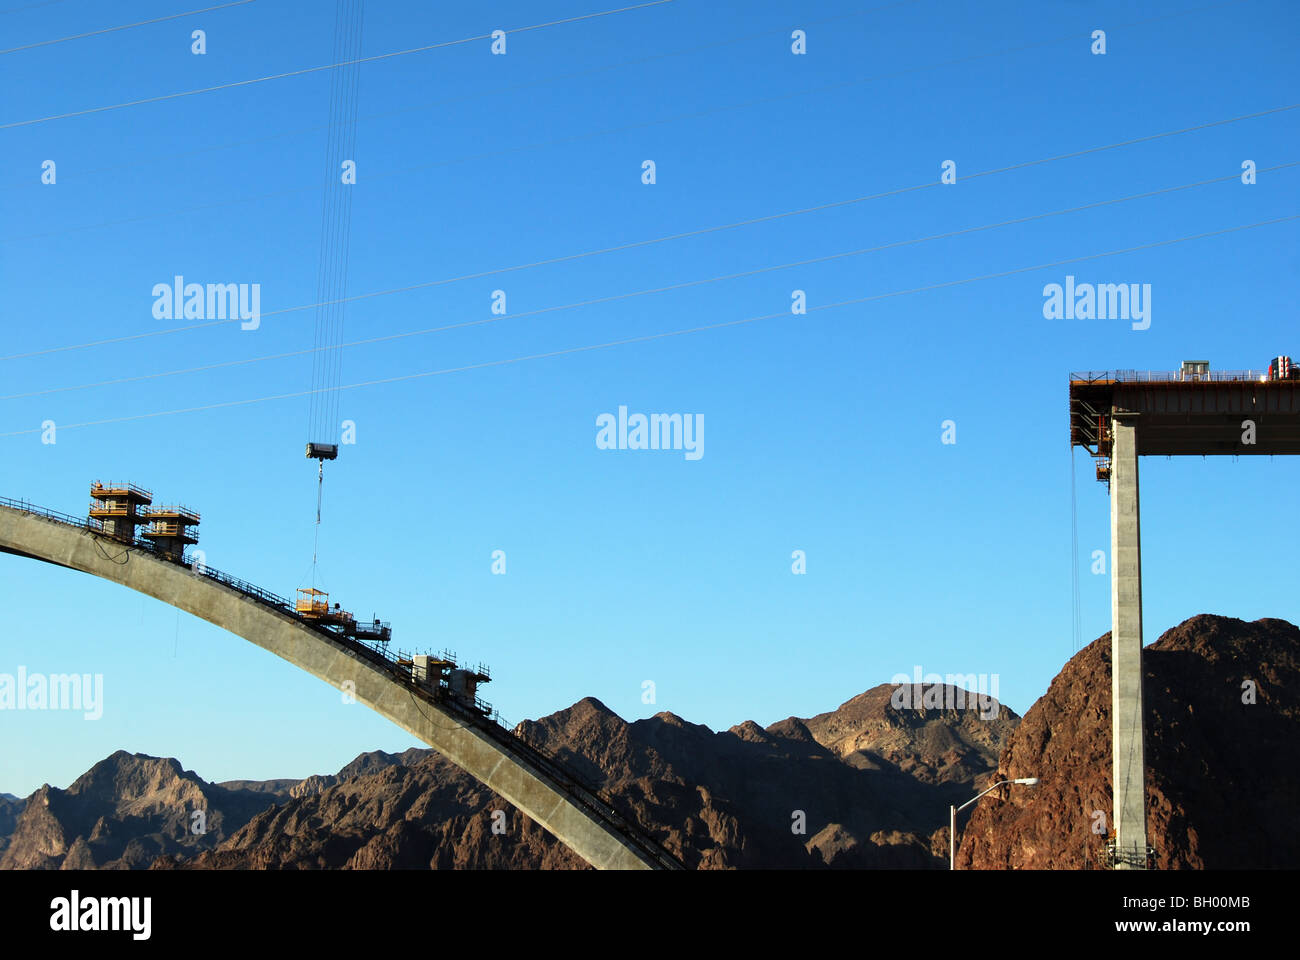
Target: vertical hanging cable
x,y
347,146
332,268
321,341
315,547
336,224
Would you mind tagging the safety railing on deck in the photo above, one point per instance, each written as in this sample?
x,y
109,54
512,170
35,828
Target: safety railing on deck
x,y
481,715
98,487
27,506
1164,376
170,510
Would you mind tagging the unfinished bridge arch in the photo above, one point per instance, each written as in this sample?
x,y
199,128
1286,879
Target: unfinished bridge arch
x,y
523,776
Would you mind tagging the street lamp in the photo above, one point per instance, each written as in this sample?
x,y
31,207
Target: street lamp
x,y
952,815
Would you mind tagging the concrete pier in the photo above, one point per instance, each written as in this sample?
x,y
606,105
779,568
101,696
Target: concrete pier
x,y
1128,748
1117,416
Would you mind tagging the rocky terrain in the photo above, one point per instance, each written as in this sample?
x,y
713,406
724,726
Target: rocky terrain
x,y
1221,770
124,812
10,808
872,795
863,786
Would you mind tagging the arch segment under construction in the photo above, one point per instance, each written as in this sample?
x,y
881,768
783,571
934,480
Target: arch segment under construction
x,y
524,776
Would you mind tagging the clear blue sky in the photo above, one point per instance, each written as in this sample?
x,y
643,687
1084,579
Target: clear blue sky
x,y
822,431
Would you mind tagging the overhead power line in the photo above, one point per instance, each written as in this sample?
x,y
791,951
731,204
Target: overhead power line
x,y
30,6
153,157
703,231
671,333
125,26
328,66
387,338
996,53
382,175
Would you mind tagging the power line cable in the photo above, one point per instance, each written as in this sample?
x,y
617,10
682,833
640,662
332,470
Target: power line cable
x,y
983,56
27,238
125,26
153,157
30,6
495,153
327,66
656,240
673,333
640,293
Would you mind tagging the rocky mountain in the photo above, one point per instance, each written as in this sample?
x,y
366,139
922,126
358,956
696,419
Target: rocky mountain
x,y
124,812
365,764
273,788
865,785
10,808
932,744
746,797
1222,699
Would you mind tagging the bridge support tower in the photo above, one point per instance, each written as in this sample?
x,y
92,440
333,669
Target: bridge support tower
x,y
1128,753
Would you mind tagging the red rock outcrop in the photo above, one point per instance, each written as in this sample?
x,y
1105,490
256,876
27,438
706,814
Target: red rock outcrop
x,y
1222,703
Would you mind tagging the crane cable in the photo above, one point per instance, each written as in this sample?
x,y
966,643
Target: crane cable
x,y
332,266
336,216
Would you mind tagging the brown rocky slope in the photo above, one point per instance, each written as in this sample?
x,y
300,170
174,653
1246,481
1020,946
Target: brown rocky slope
x,y
746,797
1221,772
123,813
870,782
10,808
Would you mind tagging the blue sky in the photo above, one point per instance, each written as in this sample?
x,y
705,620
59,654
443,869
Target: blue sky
x,y
823,430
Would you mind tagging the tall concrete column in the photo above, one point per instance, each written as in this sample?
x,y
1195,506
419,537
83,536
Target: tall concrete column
x,y
1128,770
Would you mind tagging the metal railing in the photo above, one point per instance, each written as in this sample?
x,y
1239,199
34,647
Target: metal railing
x,y
166,528
113,509
172,510
481,715
127,487
26,506
1166,376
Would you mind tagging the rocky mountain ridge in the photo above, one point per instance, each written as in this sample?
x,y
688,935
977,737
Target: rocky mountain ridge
x,y
747,796
866,785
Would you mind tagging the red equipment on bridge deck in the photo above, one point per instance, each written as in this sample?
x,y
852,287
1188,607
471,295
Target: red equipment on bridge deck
x,y
1192,411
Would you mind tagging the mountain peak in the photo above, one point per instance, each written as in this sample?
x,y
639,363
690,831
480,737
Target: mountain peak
x,y
1221,699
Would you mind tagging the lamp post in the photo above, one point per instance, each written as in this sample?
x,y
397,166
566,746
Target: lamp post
x,y
952,815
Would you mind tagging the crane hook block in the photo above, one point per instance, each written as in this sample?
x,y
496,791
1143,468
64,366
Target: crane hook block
x,y
322,451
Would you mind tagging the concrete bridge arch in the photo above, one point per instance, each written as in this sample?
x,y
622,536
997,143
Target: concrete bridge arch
x,y
523,776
